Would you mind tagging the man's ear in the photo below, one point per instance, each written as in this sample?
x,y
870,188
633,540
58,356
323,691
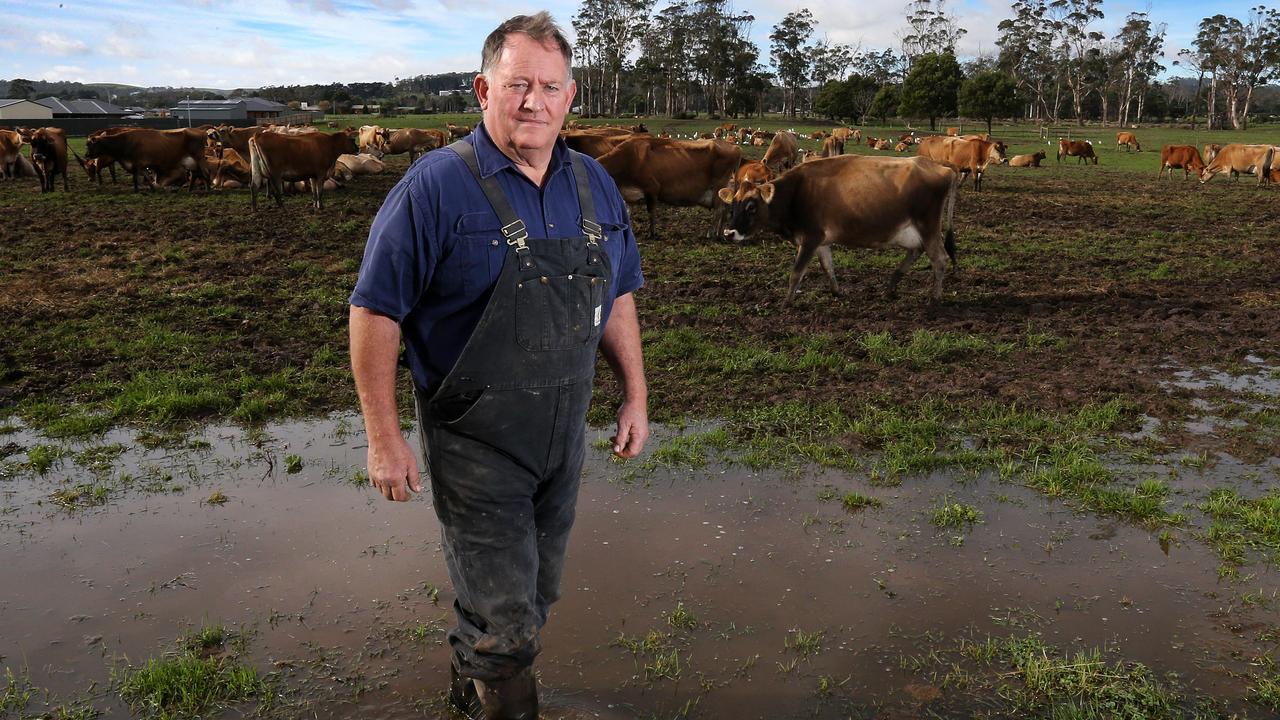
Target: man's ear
x,y
481,87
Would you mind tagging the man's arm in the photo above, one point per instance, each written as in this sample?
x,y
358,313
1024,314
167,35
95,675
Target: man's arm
x,y
621,347
375,345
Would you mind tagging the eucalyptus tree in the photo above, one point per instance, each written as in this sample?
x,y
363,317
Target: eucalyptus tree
x,y
1077,44
790,53
1026,54
930,30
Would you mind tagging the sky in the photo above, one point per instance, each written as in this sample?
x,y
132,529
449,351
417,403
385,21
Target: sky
x,y
251,43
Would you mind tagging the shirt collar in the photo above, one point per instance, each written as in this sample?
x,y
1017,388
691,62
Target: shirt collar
x,y
491,160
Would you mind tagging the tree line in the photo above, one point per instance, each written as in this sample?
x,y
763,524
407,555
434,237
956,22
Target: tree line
x,y
1053,64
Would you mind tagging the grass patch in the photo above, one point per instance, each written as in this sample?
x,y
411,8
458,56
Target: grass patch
x,y
926,348
803,643
81,495
187,685
681,619
853,502
953,514
1241,524
293,464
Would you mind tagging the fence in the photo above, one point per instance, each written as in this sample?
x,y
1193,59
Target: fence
x,y
83,126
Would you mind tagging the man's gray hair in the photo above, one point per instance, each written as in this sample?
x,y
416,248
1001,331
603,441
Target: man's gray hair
x,y
540,27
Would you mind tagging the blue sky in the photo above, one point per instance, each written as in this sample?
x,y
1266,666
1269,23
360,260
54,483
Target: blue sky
x,y
250,43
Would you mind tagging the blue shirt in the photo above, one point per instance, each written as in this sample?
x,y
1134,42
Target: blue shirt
x,y
435,249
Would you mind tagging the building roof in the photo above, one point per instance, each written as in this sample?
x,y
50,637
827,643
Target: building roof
x,y
209,104
6,102
252,104
81,107
257,104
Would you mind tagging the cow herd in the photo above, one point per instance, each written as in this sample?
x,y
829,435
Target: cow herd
x,y
815,198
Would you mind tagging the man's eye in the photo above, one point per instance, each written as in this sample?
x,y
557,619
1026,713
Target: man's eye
x,y
518,87
553,88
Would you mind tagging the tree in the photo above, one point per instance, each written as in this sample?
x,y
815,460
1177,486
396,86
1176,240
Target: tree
x,y
1140,43
987,95
931,87
20,89
790,54
1026,54
885,103
846,100
930,30
1077,45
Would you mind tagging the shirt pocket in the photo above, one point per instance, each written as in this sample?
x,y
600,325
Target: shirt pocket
x,y
480,249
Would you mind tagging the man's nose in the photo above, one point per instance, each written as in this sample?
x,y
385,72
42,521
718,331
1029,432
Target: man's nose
x,y
533,101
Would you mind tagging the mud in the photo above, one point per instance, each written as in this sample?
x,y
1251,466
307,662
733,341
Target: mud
x,y
332,584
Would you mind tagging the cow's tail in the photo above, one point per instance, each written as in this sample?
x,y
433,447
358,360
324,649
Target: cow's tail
x,y
949,238
260,173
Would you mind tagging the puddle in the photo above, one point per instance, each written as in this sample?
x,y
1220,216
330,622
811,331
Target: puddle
x,y
333,582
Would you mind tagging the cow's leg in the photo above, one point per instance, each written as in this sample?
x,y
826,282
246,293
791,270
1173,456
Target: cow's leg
x,y
317,191
912,255
828,264
937,261
651,202
277,189
977,181
804,253
253,193
65,187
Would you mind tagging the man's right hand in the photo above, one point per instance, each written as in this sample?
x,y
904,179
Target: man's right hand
x,y
393,468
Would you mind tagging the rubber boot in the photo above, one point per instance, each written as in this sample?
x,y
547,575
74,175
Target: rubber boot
x,y
462,694
513,699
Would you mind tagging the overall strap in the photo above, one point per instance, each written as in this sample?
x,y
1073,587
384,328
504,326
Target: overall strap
x,y
512,226
586,202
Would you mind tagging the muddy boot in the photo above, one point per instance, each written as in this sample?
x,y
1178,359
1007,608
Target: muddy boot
x,y
462,694
513,699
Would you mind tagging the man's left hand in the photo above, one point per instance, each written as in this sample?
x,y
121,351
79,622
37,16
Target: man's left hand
x,y
633,429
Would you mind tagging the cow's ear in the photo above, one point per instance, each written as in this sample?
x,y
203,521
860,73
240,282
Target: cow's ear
x,y
766,193
726,195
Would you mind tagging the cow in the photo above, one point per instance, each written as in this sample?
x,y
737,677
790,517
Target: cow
x,y
854,201
415,141
229,171
902,147
372,137
675,172
93,168
1082,149
968,156
953,131
10,150
831,147
592,143
1210,151
349,166
1032,160
1127,140
1186,157
909,138
456,132
160,150
817,135
640,128
882,144
1237,158
237,139
49,155
783,152
276,159
844,134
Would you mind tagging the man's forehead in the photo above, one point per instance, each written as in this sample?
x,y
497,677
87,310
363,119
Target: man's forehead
x,y
527,49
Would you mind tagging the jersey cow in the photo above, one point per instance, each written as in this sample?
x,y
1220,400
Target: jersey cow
x,y
1031,160
163,151
1186,157
593,143
49,155
1082,149
1127,140
276,159
414,141
10,151
226,136
854,201
783,152
968,156
1236,158
372,137
675,172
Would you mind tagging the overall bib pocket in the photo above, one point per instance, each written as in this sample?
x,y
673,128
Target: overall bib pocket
x,y
559,311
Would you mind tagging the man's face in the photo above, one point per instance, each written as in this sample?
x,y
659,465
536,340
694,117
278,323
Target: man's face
x,y
525,95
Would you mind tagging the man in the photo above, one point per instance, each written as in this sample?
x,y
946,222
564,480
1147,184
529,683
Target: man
x,y
501,261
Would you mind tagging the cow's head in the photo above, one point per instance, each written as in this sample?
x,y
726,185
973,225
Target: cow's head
x,y
749,208
1040,155
999,152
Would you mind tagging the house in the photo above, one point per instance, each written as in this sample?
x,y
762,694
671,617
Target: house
x,y
82,108
23,110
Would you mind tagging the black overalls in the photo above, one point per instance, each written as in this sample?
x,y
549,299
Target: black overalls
x,y
504,433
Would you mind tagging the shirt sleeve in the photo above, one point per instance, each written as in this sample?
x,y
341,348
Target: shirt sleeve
x,y
630,278
398,258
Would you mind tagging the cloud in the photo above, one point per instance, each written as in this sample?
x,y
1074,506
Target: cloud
x,y
323,6
55,44
392,5
72,73
117,46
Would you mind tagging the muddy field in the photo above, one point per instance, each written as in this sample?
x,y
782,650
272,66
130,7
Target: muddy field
x,y
1050,495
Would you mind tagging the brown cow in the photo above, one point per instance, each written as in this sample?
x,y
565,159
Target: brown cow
x,y
592,143
93,168
372,137
832,146
160,150
1186,157
817,135
456,132
902,147
276,159
1082,149
843,134
969,156
415,141
1210,151
675,172
854,201
10,150
237,139
1127,140
349,166
783,152
953,131
49,155
1237,158
1032,160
